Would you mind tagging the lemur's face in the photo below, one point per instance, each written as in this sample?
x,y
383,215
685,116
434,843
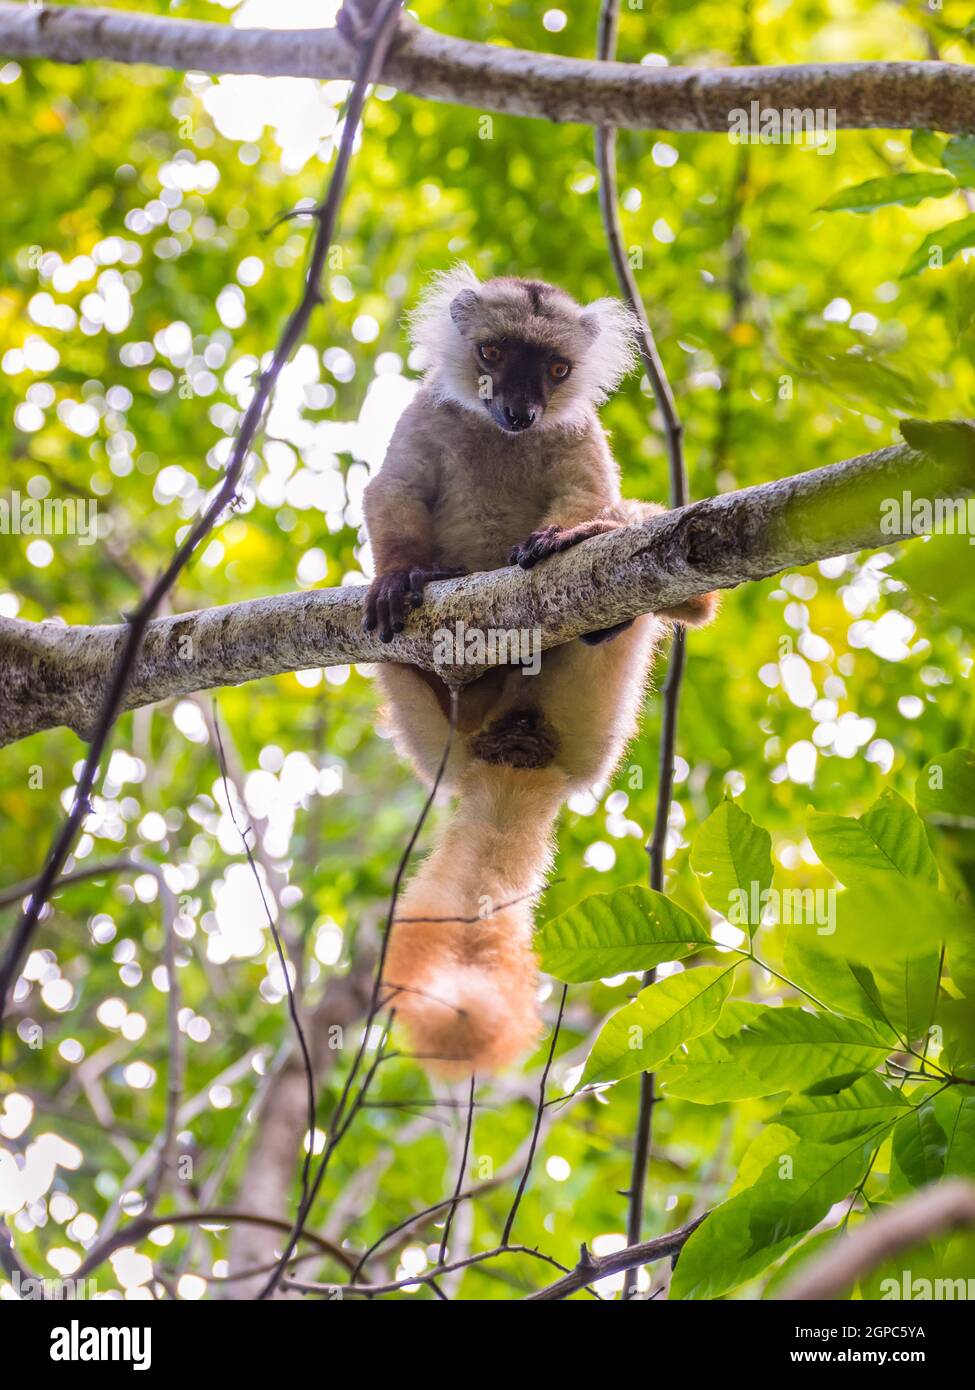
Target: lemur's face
x,y
517,379
520,353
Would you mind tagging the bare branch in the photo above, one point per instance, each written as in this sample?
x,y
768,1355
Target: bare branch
x,y
939,96
923,1216
56,675
592,1268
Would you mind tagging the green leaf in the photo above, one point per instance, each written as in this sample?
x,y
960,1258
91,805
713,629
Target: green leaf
x,y
961,965
611,933
884,917
703,1070
828,1119
906,992
732,857
888,838
926,147
957,1018
822,1175
946,242
782,1274
903,190
749,1232
955,1112
958,157
920,1146
945,791
942,570
839,983
947,441
791,1050
662,1016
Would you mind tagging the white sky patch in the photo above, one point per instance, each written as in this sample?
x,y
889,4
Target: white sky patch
x,y
386,398
23,1184
240,914
800,762
600,856
16,1115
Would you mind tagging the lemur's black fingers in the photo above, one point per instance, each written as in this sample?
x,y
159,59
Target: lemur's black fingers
x,y
370,620
385,626
528,552
396,606
418,577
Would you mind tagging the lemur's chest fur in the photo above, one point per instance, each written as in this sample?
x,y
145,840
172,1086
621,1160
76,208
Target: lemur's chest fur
x,y
493,490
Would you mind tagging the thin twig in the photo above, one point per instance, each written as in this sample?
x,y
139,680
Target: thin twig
x,y
428,1277
461,1171
609,205
539,1112
142,1226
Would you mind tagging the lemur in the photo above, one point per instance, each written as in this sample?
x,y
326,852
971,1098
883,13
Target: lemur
x,y
500,459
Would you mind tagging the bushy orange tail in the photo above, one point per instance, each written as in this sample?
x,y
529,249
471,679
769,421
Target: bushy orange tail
x,y
460,971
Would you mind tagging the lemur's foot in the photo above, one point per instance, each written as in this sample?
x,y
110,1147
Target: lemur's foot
x,y
551,540
393,593
693,612
605,634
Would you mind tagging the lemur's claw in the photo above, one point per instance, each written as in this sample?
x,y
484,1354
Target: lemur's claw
x,y
554,539
390,594
538,546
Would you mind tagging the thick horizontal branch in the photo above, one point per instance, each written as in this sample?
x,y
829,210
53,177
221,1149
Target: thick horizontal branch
x,y
511,80
52,674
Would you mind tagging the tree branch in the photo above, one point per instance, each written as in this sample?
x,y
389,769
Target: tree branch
x,y
864,95
925,1215
591,1268
54,675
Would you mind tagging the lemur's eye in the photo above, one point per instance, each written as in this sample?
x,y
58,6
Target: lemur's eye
x,y
559,370
490,352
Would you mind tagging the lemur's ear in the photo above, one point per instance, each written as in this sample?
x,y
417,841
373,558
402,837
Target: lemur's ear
x,y
613,327
589,323
462,308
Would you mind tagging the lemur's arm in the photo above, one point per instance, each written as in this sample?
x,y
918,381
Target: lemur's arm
x,y
397,507
581,505
575,517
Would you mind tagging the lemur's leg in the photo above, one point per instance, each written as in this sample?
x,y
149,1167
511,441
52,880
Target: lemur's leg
x,y
419,715
577,713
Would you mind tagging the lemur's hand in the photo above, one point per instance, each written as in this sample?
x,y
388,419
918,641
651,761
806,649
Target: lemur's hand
x,y
392,593
553,539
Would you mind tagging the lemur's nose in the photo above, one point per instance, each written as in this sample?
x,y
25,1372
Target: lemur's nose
x,y
519,417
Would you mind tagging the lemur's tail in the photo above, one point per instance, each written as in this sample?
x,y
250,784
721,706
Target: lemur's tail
x,y
460,971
